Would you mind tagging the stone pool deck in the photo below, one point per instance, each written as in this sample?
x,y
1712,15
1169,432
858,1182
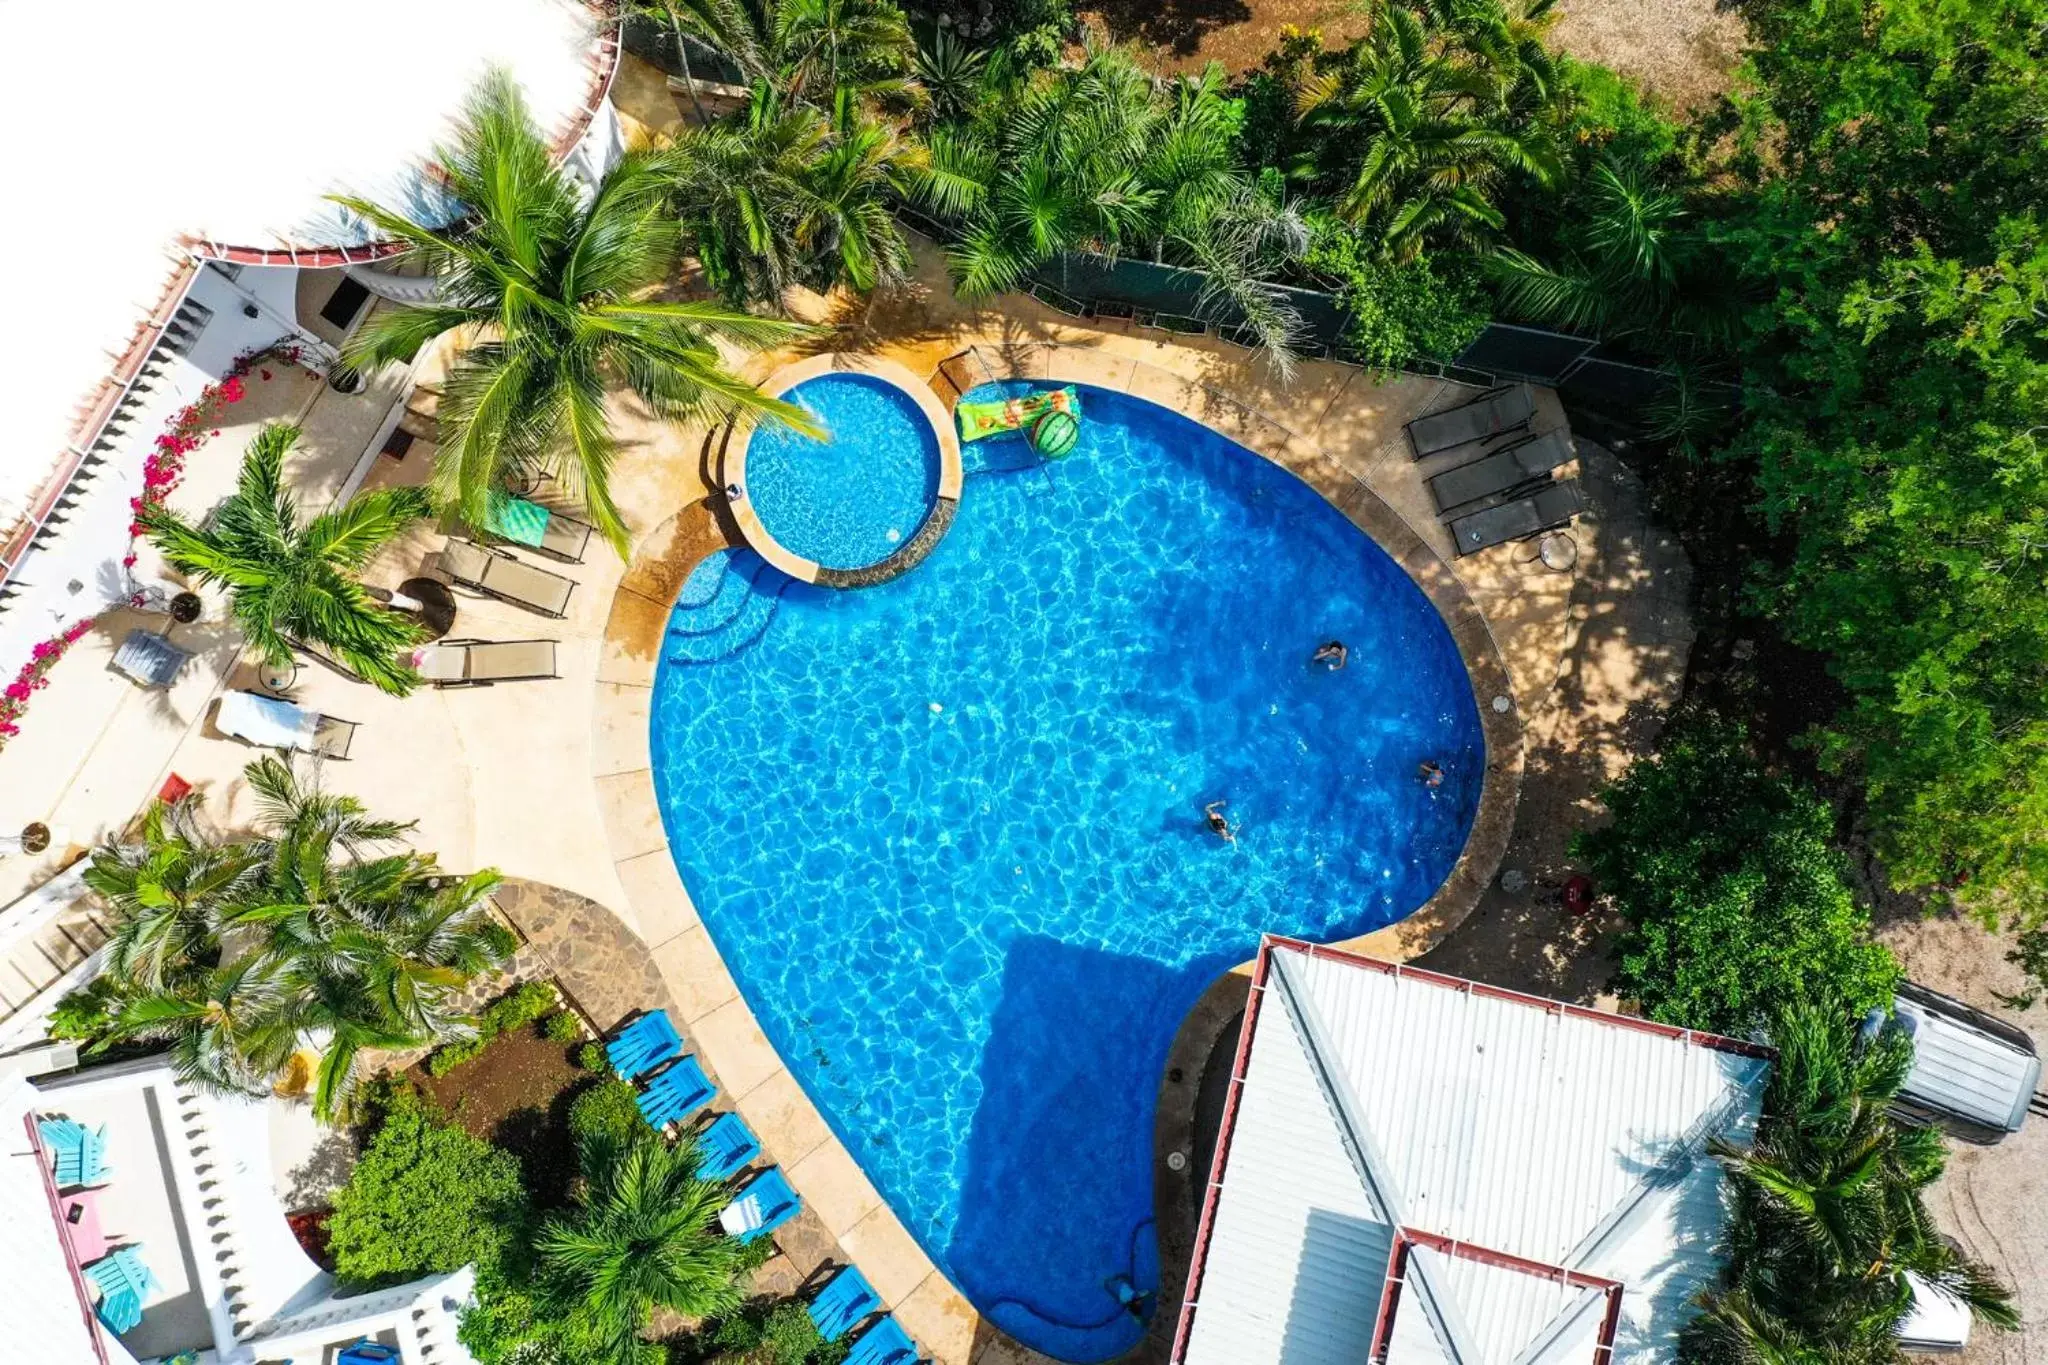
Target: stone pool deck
x,y
550,781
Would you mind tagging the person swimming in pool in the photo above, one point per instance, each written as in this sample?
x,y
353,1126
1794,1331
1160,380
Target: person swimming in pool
x,y
1332,653
1430,773
1218,824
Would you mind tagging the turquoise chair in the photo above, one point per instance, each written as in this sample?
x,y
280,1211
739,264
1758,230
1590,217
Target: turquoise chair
x,y
643,1045
726,1147
765,1204
676,1093
78,1153
883,1344
844,1303
368,1352
124,1282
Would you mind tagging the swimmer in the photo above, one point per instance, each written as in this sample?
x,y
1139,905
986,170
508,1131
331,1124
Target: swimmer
x,y
1332,653
1430,774
1218,825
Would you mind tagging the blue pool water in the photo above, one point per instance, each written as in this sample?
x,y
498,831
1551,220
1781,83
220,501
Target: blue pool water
x,y
947,832
848,501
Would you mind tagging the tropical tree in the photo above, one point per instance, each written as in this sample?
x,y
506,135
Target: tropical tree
x,y
951,72
643,1235
1829,1221
780,194
547,290
294,582
824,53
1104,157
308,934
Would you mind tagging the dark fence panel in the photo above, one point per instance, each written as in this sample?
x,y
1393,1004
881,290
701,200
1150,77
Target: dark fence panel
x,y
1533,353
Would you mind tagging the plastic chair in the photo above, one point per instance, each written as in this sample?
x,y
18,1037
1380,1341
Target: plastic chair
x,y
124,1282
367,1352
78,1153
676,1093
842,1304
764,1205
727,1146
883,1344
643,1045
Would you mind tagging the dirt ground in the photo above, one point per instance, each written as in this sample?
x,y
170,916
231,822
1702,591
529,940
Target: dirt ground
x,y
516,1096
1683,50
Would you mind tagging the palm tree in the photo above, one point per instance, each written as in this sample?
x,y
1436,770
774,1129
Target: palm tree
x,y
823,53
643,1235
547,290
167,893
1829,1219
951,73
290,582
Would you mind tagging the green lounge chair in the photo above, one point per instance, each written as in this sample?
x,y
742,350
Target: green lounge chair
x,y
525,522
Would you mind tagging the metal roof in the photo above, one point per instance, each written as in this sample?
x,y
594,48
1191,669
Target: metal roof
x,y
1415,1168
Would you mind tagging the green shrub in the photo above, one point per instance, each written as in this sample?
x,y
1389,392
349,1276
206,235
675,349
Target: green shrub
x,y
562,1027
425,1198
84,1014
1399,313
1733,893
609,1110
591,1057
1611,112
772,1333
448,1056
520,1007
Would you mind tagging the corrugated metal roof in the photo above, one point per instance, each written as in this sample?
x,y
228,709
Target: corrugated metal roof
x,y
1551,1135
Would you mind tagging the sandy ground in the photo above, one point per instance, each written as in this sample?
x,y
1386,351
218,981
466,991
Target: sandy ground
x,y
1683,50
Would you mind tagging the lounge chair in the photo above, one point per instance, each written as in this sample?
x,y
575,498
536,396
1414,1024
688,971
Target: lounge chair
x,y
368,1352
501,576
78,1154
272,723
1492,413
479,663
843,1303
764,1205
1550,506
1503,470
883,1344
643,1045
124,1282
149,659
727,1146
525,522
675,1094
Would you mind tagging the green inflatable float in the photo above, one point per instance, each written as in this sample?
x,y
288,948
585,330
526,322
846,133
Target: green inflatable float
x,y
1051,417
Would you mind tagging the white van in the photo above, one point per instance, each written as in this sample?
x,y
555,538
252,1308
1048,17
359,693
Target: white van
x,y
1973,1074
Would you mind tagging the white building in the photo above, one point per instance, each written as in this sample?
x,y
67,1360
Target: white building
x,y
169,171
1419,1170
191,1182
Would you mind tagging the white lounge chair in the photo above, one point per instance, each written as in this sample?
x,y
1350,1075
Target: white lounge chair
x,y
272,723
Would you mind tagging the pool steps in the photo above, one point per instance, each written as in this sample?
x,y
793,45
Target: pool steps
x,y
711,625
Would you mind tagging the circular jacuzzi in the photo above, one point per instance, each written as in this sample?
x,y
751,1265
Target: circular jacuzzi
x,y
868,500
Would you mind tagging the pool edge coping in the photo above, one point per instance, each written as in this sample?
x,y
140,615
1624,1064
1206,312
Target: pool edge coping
x,y
952,475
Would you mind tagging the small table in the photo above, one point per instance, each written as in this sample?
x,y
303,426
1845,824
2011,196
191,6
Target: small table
x,y
437,604
278,678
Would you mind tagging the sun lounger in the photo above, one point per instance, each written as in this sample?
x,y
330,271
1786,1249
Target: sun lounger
x,y
1550,506
368,1352
675,1094
525,522
1492,413
844,1303
78,1154
1505,469
273,723
479,663
726,1147
883,1344
643,1045
501,576
150,659
124,1282
763,1206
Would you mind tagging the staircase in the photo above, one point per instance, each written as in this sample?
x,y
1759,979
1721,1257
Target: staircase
x,y
727,611
43,936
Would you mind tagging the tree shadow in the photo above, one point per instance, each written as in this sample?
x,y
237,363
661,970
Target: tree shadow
x,y
1178,26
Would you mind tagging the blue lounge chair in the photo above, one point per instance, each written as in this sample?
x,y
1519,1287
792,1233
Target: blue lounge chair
x,y
676,1093
643,1045
78,1153
367,1352
727,1146
124,1282
764,1205
883,1344
844,1303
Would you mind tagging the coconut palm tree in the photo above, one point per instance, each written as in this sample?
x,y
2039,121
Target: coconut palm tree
x,y
295,582
643,1235
547,291
817,52
1829,1219
167,893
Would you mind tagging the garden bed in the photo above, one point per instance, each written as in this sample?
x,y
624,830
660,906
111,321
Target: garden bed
x,y
516,1096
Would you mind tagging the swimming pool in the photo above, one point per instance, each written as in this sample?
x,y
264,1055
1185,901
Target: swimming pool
x,y
850,500
947,832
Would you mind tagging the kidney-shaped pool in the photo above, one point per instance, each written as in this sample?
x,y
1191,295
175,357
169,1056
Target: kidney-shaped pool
x,y
948,832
